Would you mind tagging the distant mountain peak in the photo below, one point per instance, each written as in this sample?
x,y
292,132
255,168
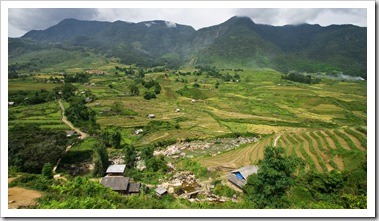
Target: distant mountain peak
x,y
238,40
240,19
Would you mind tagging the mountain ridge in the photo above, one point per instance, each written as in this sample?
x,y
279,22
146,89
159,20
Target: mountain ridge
x,y
237,41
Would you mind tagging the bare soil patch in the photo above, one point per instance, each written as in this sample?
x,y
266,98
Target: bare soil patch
x,y
18,196
329,139
339,161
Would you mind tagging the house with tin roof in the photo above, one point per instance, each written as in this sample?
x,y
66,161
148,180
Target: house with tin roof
x,y
116,170
239,177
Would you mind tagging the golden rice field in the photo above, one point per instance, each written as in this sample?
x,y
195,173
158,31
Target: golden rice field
x,y
317,148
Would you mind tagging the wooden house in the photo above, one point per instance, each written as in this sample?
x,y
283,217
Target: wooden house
x,y
121,184
116,183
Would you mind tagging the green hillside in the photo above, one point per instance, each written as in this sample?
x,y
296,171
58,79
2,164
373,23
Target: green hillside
x,y
238,41
183,109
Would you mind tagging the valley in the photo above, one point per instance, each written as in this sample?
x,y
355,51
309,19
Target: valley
x,y
184,121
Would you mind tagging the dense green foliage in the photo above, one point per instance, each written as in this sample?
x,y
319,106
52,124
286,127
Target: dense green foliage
x,y
101,160
277,186
275,177
47,171
307,79
31,97
81,115
33,181
30,147
78,77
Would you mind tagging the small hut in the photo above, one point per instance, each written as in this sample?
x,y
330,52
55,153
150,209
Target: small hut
x,y
69,133
239,177
134,188
116,170
160,191
116,183
87,99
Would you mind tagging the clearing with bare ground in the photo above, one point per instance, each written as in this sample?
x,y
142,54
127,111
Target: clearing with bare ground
x,y
18,196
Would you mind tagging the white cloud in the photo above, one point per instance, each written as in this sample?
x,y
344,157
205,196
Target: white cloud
x,y
170,24
321,16
22,20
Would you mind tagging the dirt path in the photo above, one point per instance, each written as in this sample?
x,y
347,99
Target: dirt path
x,y
68,123
276,139
18,196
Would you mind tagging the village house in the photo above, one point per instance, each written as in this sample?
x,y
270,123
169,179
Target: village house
x,y
116,170
69,133
87,99
160,191
239,177
117,182
138,131
11,103
121,184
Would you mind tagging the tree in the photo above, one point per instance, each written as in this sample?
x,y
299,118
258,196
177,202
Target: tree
x,y
67,91
31,147
267,188
134,91
117,107
47,170
116,139
81,115
149,95
130,155
101,160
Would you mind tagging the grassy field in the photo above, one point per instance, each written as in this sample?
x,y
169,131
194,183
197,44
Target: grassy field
x,y
324,124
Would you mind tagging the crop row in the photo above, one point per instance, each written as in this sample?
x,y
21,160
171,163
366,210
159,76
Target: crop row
x,y
322,150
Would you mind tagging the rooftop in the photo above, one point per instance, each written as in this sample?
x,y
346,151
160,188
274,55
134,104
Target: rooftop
x,y
246,171
160,190
115,182
116,168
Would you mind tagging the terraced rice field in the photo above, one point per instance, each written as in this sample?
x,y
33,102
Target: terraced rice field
x,y
322,150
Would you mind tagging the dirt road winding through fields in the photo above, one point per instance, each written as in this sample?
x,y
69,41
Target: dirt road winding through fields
x,y
68,123
276,140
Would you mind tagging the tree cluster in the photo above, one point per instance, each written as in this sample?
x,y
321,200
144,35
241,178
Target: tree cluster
x,y
30,147
31,97
81,115
279,184
306,79
76,78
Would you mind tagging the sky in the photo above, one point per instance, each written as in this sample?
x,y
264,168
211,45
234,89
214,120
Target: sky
x,y
22,20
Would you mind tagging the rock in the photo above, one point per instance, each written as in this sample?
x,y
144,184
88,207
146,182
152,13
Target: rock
x,y
12,201
170,190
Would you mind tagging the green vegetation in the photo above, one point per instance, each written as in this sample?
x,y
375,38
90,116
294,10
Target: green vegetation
x,y
268,188
31,147
324,124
